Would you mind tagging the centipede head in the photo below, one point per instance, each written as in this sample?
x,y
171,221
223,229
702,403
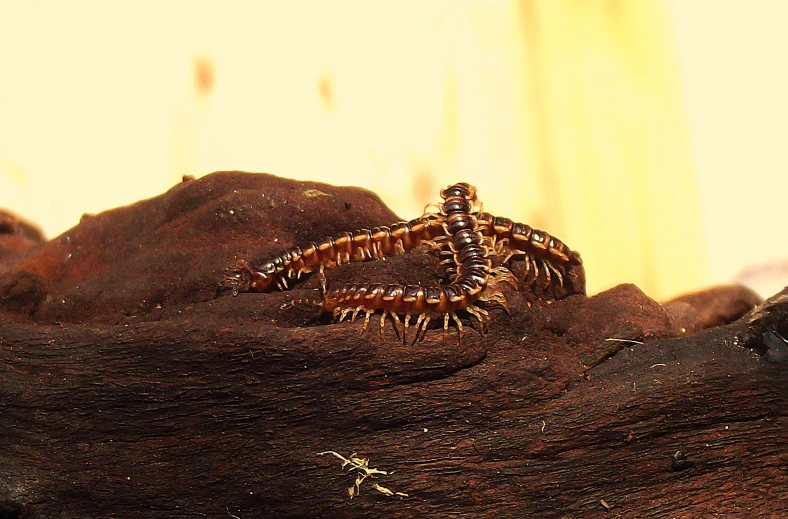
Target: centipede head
x,y
464,191
244,278
460,189
237,278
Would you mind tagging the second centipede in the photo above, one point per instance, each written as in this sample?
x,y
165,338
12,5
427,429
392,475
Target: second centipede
x,y
473,274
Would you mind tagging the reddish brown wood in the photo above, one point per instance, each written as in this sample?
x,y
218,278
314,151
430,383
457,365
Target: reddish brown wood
x,y
16,236
133,384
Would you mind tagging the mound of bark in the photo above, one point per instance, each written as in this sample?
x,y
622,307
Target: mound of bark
x,y
134,383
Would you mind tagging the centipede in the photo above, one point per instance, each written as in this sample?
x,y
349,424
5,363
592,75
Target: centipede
x,y
474,274
361,245
467,240
545,256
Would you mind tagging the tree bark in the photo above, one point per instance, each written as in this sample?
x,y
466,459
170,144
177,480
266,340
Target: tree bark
x,y
133,383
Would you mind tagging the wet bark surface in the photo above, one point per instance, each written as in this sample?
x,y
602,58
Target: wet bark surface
x,y
133,383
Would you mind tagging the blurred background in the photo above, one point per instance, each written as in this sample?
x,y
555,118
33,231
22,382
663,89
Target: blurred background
x,y
650,135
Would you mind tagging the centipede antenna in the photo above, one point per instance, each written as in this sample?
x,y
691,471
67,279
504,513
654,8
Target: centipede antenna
x,y
294,302
436,211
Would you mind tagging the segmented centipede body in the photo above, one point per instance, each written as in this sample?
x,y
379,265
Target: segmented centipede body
x,y
473,274
361,245
540,249
524,238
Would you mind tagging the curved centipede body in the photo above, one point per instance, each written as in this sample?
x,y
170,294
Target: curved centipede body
x,y
474,271
542,253
410,300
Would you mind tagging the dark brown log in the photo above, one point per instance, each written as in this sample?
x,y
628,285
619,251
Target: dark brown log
x,y
134,384
16,236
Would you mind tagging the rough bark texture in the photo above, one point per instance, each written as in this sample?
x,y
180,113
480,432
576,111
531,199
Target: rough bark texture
x,y
132,384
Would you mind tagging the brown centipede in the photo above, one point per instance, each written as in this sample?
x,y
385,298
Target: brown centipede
x,y
474,271
361,245
542,254
538,249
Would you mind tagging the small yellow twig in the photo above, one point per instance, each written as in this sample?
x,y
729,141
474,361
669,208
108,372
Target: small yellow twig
x,y
631,341
363,471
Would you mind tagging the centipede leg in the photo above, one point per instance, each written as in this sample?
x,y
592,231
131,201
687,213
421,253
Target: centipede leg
x,y
437,243
396,322
557,273
343,314
527,267
456,319
428,244
323,281
479,313
459,327
496,297
547,275
546,271
355,313
366,318
421,327
383,322
501,275
536,268
405,330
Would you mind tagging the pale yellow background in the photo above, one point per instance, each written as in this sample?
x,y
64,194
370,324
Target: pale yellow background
x,y
648,134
